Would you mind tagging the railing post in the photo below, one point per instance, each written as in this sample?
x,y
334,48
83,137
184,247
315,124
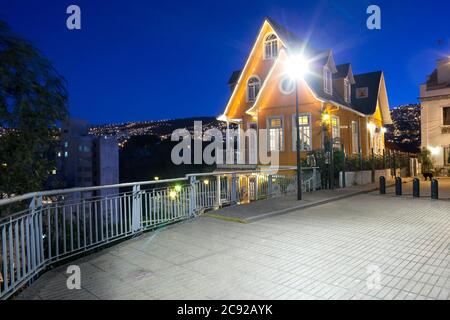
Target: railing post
x,y
416,188
434,189
343,167
382,185
314,179
192,196
233,195
398,186
269,186
218,191
35,240
137,208
372,160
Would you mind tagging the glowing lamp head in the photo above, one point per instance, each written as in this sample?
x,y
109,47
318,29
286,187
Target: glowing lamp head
x,y
206,181
383,130
297,66
326,117
172,194
156,178
371,127
434,150
177,188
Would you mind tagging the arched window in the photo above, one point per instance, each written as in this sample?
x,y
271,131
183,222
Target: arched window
x,y
253,86
271,47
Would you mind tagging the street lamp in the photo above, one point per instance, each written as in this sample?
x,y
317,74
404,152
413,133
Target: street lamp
x,y
296,68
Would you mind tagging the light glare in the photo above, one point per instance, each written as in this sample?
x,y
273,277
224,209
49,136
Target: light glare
x,y
297,66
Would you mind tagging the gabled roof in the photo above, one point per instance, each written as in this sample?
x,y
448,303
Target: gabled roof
x,y
314,80
234,77
342,71
371,81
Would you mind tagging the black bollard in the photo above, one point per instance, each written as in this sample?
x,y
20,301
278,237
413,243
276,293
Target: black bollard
x,y
434,189
416,188
382,185
398,186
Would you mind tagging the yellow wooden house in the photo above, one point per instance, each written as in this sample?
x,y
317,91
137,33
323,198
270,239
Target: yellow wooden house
x,y
352,109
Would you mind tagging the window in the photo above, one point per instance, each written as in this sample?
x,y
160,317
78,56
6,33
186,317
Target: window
x,y
355,137
361,93
446,116
271,47
347,90
304,122
327,82
446,156
253,86
275,134
335,131
287,85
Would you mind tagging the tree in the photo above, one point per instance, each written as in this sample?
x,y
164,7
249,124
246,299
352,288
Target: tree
x,y
33,99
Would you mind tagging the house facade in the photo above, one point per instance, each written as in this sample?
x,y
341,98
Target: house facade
x,y
435,114
334,103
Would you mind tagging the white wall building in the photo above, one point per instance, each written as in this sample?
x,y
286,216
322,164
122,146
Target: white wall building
x,y
435,115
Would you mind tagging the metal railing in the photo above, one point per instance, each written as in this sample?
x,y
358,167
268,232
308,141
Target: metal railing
x,y
50,226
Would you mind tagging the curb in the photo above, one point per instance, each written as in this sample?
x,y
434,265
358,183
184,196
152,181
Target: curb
x,y
295,208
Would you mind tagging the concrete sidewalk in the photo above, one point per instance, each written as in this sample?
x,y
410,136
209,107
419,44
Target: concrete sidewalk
x,y
262,209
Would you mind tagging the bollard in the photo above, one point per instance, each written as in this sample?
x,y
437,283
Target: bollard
x,y
434,189
398,186
416,188
382,185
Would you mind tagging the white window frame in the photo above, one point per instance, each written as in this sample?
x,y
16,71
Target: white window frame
x,y
327,80
253,88
287,92
347,91
269,45
280,136
302,133
355,137
333,135
442,114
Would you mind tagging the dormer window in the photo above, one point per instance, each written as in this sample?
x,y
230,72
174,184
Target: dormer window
x,y
327,81
347,91
271,47
253,86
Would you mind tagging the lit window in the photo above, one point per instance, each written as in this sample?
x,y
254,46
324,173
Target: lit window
x,y
446,116
335,131
287,85
253,86
347,90
355,137
271,47
304,123
275,132
327,81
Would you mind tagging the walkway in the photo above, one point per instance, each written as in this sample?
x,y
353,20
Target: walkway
x,y
338,250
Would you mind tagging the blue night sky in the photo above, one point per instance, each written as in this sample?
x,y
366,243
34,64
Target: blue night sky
x,y
148,60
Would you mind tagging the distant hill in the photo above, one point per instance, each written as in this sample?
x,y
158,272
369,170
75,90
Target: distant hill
x,y
145,147
404,133
160,128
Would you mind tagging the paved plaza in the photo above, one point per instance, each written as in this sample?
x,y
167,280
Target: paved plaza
x,y
364,247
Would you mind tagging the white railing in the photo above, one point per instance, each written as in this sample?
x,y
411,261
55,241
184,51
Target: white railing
x,y
46,227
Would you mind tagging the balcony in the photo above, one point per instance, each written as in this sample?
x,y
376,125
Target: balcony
x,y
52,226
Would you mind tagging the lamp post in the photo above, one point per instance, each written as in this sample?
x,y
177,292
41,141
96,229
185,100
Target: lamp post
x,y
297,127
297,67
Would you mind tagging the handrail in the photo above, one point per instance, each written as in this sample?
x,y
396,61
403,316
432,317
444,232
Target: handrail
x,y
31,195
